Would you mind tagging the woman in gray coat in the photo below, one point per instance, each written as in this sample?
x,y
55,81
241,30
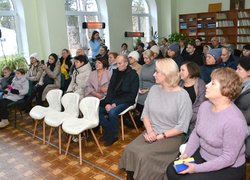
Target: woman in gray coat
x,y
242,102
50,79
194,85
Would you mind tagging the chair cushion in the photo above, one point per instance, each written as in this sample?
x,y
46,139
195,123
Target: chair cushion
x,y
38,112
75,126
55,118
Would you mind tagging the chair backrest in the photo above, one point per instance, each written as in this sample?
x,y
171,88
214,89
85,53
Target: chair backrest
x,y
89,107
54,99
70,102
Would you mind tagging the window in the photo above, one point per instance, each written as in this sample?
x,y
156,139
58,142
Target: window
x,y
77,12
8,26
141,18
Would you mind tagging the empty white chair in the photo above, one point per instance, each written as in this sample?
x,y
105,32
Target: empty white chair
x,y
54,119
129,109
38,112
89,107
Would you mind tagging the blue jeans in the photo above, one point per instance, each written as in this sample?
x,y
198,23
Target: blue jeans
x,y
109,120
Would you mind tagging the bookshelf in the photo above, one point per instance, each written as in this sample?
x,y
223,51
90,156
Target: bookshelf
x,y
233,25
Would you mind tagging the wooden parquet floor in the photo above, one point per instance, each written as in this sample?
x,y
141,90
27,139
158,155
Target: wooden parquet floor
x,y
25,157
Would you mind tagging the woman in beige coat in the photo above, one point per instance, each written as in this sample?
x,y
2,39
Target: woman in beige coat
x,y
80,75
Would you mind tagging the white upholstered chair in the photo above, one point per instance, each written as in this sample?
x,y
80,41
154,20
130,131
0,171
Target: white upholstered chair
x,y
54,119
89,106
38,112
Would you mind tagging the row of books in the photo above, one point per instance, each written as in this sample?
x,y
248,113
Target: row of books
x,y
188,19
225,23
243,22
194,19
240,46
219,32
243,14
221,16
243,38
243,31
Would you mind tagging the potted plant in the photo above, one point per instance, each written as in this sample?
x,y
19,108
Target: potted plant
x,y
14,62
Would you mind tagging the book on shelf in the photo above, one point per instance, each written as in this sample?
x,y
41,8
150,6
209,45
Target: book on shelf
x,y
201,26
182,20
211,25
183,26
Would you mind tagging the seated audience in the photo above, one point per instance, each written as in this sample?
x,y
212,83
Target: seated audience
x,y
246,50
198,46
80,76
192,55
227,58
166,116
217,141
125,50
147,80
140,50
98,81
133,61
157,53
182,47
242,102
164,46
122,91
103,52
35,70
79,52
50,79
66,64
195,87
174,53
14,92
215,43
212,62
112,61
6,79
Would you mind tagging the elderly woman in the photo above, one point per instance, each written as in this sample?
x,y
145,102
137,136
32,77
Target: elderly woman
x,y
166,116
242,102
98,82
14,92
217,142
194,85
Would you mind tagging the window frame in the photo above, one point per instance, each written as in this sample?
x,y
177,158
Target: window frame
x,y
81,18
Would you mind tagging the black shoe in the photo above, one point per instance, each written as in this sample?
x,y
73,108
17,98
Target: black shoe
x,y
109,141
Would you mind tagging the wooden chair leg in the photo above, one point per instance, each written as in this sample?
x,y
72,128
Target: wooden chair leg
x,y
96,141
133,120
50,132
122,127
101,130
80,148
43,132
60,139
85,138
34,131
69,140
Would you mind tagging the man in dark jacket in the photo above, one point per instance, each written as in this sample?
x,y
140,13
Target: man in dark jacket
x,y
122,91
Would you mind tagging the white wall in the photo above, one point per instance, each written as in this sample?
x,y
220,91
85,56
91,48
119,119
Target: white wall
x,y
45,26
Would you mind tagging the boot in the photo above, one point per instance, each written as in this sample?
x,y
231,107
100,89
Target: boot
x,y
4,123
